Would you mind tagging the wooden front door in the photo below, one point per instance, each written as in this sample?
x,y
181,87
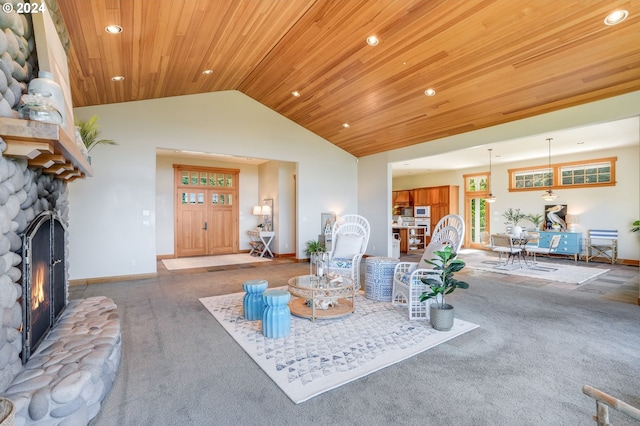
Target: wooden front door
x,y
206,212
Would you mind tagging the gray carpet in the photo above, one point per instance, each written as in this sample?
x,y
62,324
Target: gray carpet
x,y
536,346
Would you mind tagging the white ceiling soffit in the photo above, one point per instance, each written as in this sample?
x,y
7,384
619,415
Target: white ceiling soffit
x,y
224,158
610,135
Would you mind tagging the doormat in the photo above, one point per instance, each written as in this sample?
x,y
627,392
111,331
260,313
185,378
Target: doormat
x,y
209,261
323,355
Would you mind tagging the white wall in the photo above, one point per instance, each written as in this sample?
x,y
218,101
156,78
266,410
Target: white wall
x,y
287,208
107,235
277,181
373,180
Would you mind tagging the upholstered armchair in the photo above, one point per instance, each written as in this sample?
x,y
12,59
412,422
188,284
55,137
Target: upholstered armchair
x,y
350,236
407,277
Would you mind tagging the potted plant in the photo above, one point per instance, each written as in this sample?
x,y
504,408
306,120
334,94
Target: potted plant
x,y
442,283
90,134
636,226
315,250
536,219
513,217
314,247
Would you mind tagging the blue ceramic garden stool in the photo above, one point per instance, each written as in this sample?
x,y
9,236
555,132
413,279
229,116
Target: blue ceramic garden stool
x,y
276,318
252,303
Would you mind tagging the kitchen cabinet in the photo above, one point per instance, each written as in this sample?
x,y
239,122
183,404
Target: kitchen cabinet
x,y
443,200
401,201
403,198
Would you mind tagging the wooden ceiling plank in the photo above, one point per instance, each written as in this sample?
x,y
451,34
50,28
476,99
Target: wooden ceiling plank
x,y
490,61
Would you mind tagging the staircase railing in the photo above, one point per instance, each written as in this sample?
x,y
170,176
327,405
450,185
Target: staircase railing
x,y
604,401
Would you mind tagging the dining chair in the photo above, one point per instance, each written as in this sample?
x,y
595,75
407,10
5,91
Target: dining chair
x,y
553,247
503,244
485,239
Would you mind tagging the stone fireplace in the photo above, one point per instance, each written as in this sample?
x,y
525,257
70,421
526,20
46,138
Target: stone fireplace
x,y
57,363
24,195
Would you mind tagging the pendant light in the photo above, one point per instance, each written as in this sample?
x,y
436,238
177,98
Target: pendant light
x,y
490,198
548,194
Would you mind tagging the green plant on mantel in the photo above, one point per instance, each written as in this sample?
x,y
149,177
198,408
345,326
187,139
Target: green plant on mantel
x,y
90,133
636,226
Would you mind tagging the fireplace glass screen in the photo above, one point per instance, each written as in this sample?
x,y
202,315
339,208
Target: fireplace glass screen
x,y
44,280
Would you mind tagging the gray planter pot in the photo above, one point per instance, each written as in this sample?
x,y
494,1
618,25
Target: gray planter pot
x,y
441,318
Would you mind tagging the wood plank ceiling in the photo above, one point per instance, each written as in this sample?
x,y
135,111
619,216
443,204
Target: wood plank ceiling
x,y
490,61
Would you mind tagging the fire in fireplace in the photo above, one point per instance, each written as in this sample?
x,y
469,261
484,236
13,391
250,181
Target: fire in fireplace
x,y
44,289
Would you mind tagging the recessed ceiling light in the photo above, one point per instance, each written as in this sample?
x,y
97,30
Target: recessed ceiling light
x,y
616,17
296,93
430,92
372,40
113,29
207,72
346,125
117,78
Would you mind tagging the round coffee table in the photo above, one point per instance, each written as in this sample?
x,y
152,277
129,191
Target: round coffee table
x,y
320,298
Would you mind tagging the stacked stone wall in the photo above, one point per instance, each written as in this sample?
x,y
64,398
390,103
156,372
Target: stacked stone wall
x,y
18,58
24,194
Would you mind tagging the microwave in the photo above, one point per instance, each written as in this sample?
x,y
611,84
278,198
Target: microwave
x,y
422,211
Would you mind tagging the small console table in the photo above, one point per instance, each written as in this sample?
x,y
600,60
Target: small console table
x,y
260,241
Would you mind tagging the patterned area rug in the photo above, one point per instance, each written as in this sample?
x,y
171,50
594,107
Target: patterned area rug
x,y
565,273
209,261
317,357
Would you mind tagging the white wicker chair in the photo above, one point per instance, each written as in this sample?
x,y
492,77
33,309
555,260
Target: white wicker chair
x,y
350,236
451,220
407,276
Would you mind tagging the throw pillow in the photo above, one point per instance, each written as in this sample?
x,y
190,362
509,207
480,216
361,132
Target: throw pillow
x,y
347,246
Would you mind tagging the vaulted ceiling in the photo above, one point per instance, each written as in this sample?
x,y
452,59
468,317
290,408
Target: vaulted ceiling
x,y
489,61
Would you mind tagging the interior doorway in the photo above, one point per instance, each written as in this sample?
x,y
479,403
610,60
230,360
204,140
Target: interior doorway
x,y
206,211
477,210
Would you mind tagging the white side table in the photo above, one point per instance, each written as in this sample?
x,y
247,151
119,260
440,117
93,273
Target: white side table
x,y
260,241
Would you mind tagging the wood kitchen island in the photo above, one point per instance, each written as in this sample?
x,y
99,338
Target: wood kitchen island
x,y
412,237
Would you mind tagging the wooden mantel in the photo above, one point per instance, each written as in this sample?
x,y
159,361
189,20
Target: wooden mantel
x,y
46,146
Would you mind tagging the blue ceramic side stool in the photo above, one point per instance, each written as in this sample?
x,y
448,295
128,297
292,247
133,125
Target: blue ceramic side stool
x,y
252,304
276,318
